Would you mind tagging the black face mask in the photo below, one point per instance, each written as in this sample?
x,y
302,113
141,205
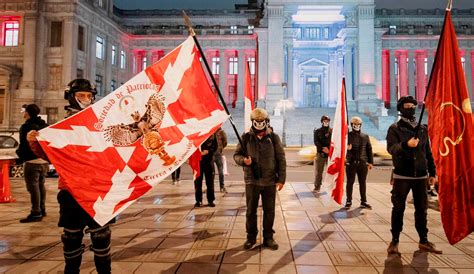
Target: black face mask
x,y
408,113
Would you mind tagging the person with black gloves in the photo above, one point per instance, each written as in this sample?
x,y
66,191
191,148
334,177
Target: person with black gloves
x,y
80,94
359,161
322,141
414,167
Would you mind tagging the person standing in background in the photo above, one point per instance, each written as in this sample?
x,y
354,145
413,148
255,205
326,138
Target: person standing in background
x,y
219,158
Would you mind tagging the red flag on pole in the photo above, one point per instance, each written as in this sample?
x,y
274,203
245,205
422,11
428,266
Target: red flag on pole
x,y
451,133
249,101
337,153
116,150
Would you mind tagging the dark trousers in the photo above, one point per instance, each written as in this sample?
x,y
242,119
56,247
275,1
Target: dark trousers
x,y
35,175
207,171
74,219
175,174
220,169
252,195
319,163
400,191
360,169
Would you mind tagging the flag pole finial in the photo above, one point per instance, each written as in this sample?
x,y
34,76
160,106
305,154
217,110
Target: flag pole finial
x,y
450,5
188,23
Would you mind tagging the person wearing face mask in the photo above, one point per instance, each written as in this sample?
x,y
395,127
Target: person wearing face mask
x,y
359,160
414,167
262,157
79,93
322,141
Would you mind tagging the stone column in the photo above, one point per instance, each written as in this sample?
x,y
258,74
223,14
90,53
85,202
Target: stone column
x,y
325,89
27,85
275,67
262,64
290,70
393,81
69,50
296,94
223,74
366,92
240,78
411,73
348,59
386,76
403,74
378,64
331,99
420,76
92,63
468,72
108,67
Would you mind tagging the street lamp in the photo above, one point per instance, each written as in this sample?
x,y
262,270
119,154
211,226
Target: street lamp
x,y
284,104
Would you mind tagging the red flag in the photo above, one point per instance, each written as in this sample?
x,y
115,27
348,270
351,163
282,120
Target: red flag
x,y
337,152
452,136
195,163
249,101
116,150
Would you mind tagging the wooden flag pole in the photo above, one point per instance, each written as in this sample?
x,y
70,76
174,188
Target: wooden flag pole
x,y
193,34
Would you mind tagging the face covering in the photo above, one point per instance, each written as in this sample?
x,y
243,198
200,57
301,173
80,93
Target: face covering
x,y
259,126
84,103
356,127
325,124
408,113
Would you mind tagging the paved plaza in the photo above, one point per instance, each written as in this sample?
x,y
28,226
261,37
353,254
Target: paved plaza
x,y
163,233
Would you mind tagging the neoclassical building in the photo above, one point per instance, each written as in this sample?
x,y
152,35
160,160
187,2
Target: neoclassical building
x,y
297,50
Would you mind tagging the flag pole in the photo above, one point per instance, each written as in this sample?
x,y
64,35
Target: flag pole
x,y
345,98
193,34
435,61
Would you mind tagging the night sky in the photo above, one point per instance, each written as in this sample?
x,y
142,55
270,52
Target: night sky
x,y
229,4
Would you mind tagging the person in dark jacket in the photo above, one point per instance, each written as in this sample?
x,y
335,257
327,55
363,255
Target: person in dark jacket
x,y
322,141
219,157
208,148
359,160
413,168
34,168
263,159
80,94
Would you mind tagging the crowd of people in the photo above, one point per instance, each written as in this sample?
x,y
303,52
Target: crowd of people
x,y
262,156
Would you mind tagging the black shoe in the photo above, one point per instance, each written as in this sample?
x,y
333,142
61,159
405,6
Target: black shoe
x,y
249,243
197,204
432,193
393,248
32,218
365,205
270,243
348,205
316,189
211,204
43,212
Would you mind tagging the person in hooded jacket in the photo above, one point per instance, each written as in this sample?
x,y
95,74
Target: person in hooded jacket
x,y
322,141
80,94
263,159
359,161
34,168
414,167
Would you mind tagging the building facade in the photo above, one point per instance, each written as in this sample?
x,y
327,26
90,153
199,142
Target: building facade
x,y
297,50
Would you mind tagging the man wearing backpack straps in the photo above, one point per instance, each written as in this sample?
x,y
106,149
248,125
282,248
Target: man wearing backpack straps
x,y
264,164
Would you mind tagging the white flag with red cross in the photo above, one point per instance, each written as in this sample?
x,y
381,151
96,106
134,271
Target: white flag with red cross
x,y
116,150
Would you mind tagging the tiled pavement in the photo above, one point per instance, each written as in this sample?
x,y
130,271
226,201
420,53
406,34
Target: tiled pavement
x,y
162,232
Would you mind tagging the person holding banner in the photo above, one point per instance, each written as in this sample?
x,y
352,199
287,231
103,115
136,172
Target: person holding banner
x,y
208,148
219,159
262,157
80,93
413,168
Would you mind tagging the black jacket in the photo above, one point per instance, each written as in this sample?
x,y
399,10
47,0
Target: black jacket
x,y
361,148
24,151
268,159
410,162
322,138
210,145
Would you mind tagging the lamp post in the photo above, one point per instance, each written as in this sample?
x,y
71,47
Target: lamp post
x,y
284,104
